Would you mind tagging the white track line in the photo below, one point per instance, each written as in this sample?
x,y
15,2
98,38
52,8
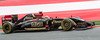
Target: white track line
x,y
49,7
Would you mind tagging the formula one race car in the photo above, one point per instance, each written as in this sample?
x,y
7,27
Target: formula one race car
x,y
11,23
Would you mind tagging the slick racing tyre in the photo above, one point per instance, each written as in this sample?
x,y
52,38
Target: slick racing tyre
x,y
67,24
8,27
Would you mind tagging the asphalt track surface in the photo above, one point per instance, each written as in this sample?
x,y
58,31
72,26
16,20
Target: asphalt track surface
x,y
90,34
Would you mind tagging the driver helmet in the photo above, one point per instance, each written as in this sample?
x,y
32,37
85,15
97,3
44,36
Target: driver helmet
x,y
40,12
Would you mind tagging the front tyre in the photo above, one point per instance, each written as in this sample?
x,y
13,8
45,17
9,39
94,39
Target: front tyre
x,y
67,24
8,27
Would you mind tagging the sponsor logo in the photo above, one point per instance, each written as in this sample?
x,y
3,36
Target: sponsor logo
x,y
37,24
54,21
28,18
8,18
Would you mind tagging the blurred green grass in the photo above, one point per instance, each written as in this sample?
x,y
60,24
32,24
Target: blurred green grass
x,y
96,22
0,27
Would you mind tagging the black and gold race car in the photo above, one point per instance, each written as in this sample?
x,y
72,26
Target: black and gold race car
x,y
11,23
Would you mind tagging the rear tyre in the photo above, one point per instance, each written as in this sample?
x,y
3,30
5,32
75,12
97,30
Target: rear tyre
x,y
8,27
67,24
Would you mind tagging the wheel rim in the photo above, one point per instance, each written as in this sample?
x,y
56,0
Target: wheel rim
x,y
6,28
66,24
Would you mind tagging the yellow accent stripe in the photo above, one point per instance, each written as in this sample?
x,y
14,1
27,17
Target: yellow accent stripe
x,y
33,15
34,28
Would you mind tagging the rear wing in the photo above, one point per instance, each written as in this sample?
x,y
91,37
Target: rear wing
x,y
10,18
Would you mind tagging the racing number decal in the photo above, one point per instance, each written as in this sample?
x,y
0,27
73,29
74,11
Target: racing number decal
x,y
37,24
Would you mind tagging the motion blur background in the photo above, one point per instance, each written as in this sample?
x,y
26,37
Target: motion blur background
x,y
88,10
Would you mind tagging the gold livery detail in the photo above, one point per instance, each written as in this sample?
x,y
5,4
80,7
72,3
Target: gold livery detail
x,y
34,28
28,18
54,21
36,24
